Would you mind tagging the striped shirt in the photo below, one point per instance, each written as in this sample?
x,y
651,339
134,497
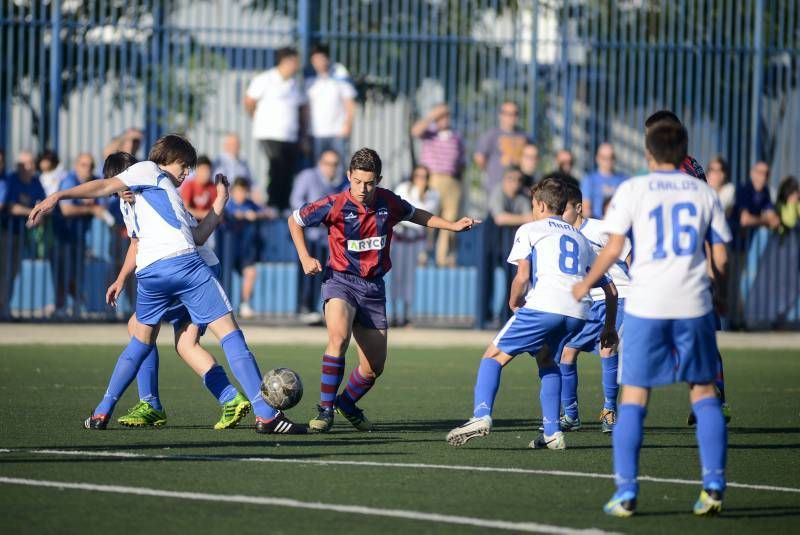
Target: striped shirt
x,y
442,152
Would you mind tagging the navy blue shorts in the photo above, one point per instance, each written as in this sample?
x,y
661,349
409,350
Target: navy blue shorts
x,y
367,296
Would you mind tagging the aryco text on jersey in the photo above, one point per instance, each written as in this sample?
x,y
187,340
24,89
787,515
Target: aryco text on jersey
x,y
367,244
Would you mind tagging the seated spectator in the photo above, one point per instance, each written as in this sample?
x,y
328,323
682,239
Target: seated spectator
x,y
564,161
753,206
241,214
229,162
602,183
442,151
199,191
23,191
71,223
789,203
409,244
508,205
310,185
51,173
527,164
718,179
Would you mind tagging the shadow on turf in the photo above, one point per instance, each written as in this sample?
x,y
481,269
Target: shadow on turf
x,y
733,513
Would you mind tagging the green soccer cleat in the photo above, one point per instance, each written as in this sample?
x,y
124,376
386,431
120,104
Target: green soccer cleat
x,y
621,505
709,503
233,412
569,424
356,418
143,415
323,421
608,419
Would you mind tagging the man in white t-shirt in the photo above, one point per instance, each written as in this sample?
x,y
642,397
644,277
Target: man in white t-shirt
x,y
331,101
274,99
669,315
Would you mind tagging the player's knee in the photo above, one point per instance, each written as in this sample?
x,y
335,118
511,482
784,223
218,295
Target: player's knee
x,y
131,325
338,342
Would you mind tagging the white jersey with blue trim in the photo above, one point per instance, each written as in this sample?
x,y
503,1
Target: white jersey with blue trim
x,y
160,221
670,215
595,232
560,256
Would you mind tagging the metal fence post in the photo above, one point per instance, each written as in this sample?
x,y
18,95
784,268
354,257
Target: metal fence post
x,y
304,29
758,84
534,74
55,74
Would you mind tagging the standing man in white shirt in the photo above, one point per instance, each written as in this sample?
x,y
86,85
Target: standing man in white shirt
x,y
274,99
331,99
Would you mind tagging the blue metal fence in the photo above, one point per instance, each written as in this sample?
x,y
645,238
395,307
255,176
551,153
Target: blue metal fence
x,y
77,73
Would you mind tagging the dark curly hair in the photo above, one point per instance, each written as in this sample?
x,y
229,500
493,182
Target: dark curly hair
x,y
366,159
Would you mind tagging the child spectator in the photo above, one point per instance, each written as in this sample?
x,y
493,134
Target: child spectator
x,y
789,203
199,191
241,214
51,172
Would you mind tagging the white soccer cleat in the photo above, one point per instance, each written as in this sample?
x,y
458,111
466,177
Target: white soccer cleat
x,y
553,442
474,427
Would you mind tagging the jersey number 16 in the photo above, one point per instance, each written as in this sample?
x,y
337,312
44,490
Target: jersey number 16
x,y
678,230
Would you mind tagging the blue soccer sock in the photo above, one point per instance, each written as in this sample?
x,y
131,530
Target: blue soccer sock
x,y
569,389
125,370
486,386
712,440
147,380
217,382
550,399
245,369
719,382
627,441
610,385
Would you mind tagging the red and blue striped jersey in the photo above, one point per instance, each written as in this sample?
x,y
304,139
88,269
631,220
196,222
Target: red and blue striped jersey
x,y
359,236
692,167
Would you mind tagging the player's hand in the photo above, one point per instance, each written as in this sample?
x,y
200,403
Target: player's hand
x,y
41,209
465,223
580,290
609,337
114,292
128,196
311,265
221,181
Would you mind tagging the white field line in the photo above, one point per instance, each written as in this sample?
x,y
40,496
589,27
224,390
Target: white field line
x,y
530,527
377,464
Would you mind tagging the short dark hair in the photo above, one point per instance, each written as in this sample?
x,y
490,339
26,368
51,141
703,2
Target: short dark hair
x,y
567,178
284,53
241,182
512,169
788,186
553,193
321,48
203,160
366,159
661,115
173,148
667,142
116,163
726,169
48,155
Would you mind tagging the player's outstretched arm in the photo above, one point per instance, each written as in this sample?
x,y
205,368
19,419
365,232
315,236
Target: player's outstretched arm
x,y
88,190
311,265
519,285
609,336
427,219
605,259
128,267
212,219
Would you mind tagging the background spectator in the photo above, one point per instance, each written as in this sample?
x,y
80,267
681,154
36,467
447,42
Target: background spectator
x,y
274,99
3,181
129,141
310,185
789,203
500,147
230,163
601,184
442,152
528,163
717,176
51,173
564,161
753,206
241,215
408,248
199,191
331,101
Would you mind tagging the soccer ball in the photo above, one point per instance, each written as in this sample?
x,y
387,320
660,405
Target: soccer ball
x,y
282,388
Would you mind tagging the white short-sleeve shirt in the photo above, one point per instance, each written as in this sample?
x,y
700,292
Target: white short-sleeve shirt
x,y
669,215
594,231
277,114
326,98
560,256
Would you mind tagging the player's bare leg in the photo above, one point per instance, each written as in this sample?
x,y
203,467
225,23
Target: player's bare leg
x,y
339,317
371,346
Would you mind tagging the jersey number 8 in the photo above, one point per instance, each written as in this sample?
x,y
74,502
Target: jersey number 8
x,y
568,259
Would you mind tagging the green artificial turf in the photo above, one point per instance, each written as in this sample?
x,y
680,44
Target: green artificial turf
x,y
46,391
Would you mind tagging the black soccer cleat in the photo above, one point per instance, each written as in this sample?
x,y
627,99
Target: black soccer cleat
x,y
96,423
280,425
